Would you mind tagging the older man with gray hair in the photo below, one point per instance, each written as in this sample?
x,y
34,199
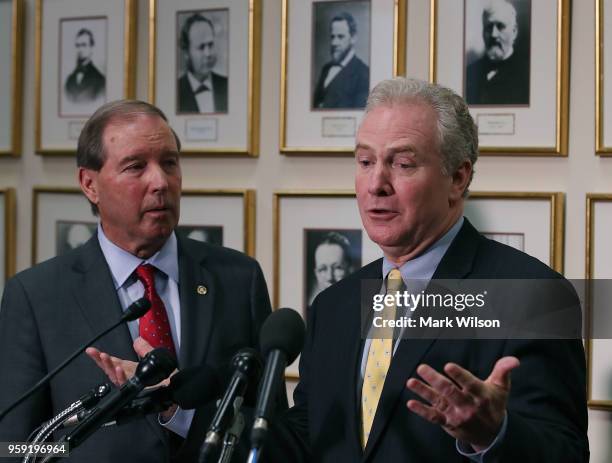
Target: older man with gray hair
x,y
501,75
430,396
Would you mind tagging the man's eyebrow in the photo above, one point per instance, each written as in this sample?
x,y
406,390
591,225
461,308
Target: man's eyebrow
x,y
362,146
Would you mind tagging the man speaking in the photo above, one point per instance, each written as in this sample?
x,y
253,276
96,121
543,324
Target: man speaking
x,y
208,302
404,398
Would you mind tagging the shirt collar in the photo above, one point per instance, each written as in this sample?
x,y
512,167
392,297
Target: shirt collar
x,y
122,264
195,83
424,266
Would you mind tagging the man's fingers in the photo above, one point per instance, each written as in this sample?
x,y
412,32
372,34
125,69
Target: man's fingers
x,y
142,347
468,382
442,385
120,374
500,376
430,414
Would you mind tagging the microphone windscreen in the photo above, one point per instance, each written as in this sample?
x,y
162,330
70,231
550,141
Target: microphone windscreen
x,y
283,330
195,386
155,366
137,309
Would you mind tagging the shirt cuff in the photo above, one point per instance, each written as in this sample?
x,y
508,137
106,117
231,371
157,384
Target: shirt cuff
x,y
489,454
179,422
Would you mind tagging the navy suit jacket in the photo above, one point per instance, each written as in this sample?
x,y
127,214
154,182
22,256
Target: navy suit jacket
x,y
547,415
186,101
52,308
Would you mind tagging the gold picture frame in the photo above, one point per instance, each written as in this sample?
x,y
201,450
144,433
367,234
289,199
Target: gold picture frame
x,y
592,199
397,66
602,148
556,145
15,98
297,214
555,221
66,146
7,198
245,213
252,72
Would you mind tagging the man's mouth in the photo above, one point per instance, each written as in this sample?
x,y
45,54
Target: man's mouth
x,y
382,213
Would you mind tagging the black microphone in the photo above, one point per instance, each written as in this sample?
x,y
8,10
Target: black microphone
x,y
188,388
153,368
247,366
281,339
134,311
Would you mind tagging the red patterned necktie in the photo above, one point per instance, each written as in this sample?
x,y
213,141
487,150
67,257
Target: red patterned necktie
x,y
154,326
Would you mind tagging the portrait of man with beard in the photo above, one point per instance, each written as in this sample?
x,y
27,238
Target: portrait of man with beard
x,y
344,81
200,89
82,65
497,71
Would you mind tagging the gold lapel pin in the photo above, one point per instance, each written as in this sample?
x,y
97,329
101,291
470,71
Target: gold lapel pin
x,y
202,290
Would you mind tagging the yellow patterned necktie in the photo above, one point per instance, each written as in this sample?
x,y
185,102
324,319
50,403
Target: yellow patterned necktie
x,y
379,359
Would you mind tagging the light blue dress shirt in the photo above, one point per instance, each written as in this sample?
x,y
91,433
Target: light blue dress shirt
x,y
419,271
122,265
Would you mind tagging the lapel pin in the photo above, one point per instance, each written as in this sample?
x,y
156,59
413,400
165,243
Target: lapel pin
x,y
202,290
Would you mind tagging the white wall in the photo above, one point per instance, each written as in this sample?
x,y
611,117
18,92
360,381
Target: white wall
x,y
575,175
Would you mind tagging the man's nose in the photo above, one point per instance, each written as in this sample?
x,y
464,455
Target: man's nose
x,y
379,184
158,178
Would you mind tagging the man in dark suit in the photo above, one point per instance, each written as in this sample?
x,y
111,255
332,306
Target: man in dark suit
x,y
345,80
86,83
200,89
211,301
413,396
501,75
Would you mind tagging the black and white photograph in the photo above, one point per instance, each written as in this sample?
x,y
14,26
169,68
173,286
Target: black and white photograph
x,y
330,256
83,62
212,234
202,61
497,44
72,234
340,54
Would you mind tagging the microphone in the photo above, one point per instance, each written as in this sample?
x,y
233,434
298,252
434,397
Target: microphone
x,y
153,368
281,339
189,388
134,311
247,366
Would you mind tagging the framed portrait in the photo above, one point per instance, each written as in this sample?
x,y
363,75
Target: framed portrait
x,y
488,51
82,61
11,90
603,79
7,235
215,51
62,220
318,240
598,273
221,217
349,46
532,222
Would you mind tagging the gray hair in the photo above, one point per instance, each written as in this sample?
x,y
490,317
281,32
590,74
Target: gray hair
x,y
457,132
90,148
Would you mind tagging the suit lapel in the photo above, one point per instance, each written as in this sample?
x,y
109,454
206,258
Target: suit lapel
x,y
456,264
197,294
97,298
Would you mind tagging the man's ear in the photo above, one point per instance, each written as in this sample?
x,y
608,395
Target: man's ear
x,y
460,180
88,180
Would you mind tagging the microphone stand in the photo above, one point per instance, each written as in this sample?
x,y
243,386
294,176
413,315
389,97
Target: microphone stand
x,y
232,435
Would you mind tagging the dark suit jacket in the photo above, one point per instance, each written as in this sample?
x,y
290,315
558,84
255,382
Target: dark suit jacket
x,y
53,308
349,89
547,417
509,86
92,86
186,101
